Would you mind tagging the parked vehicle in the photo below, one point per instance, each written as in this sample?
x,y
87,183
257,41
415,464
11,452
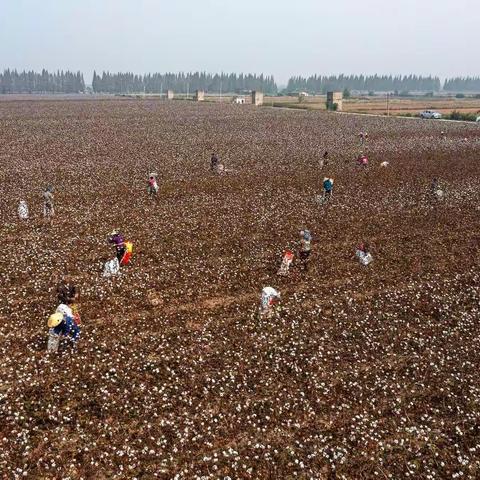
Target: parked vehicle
x,y
478,119
430,114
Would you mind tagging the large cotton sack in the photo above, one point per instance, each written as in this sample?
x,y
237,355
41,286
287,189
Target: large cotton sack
x,y
111,268
23,210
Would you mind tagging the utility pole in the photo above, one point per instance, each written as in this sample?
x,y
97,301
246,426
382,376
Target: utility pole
x,y
388,104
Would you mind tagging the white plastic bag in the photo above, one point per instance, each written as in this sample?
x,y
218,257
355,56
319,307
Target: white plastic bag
x,y
111,268
23,210
53,341
365,258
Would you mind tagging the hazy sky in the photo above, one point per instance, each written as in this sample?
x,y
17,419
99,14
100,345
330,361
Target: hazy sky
x,y
271,36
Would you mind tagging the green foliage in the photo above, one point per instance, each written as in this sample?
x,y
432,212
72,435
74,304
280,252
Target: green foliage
x,y
332,108
429,94
12,81
181,82
346,93
460,95
462,84
469,117
376,83
404,93
371,93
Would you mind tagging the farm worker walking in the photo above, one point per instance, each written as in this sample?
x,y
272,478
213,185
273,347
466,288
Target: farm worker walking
x,y
269,300
124,249
22,210
152,184
62,324
363,253
327,188
305,247
48,210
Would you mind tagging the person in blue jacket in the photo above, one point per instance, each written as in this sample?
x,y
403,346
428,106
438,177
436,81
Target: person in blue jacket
x,y
63,325
327,188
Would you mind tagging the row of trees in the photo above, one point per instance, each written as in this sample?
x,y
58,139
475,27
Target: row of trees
x,y
322,84
12,81
462,84
181,82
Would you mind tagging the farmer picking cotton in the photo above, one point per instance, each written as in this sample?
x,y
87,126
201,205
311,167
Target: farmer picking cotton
x,y
268,301
327,188
363,254
152,184
123,248
62,324
123,254
286,262
305,248
48,208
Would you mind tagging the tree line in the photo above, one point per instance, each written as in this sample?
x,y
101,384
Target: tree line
x,y
182,82
462,84
12,81
375,83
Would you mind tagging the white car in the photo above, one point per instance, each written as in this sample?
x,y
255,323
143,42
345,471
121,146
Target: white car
x,y
478,119
430,114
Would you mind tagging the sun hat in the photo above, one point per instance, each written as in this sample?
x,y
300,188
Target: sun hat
x,y
55,319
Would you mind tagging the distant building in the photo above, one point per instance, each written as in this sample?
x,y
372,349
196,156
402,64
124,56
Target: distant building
x,y
334,98
199,96
169,94
257,98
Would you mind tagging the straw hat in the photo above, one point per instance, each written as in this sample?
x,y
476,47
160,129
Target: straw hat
x,y
55,319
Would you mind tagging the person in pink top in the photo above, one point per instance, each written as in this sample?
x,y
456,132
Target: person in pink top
x,y
152,184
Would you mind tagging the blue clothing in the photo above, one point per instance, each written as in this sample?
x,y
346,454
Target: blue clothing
x,y
307,235
68,328
327,185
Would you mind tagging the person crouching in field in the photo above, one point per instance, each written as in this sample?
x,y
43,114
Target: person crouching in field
x,y
268,302
363,254
305,248
363,137
62,324
214,162
68,295
48,209
436,191
362,160
152,185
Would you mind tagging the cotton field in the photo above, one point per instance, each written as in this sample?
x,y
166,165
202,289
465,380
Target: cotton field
x,y
362,372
